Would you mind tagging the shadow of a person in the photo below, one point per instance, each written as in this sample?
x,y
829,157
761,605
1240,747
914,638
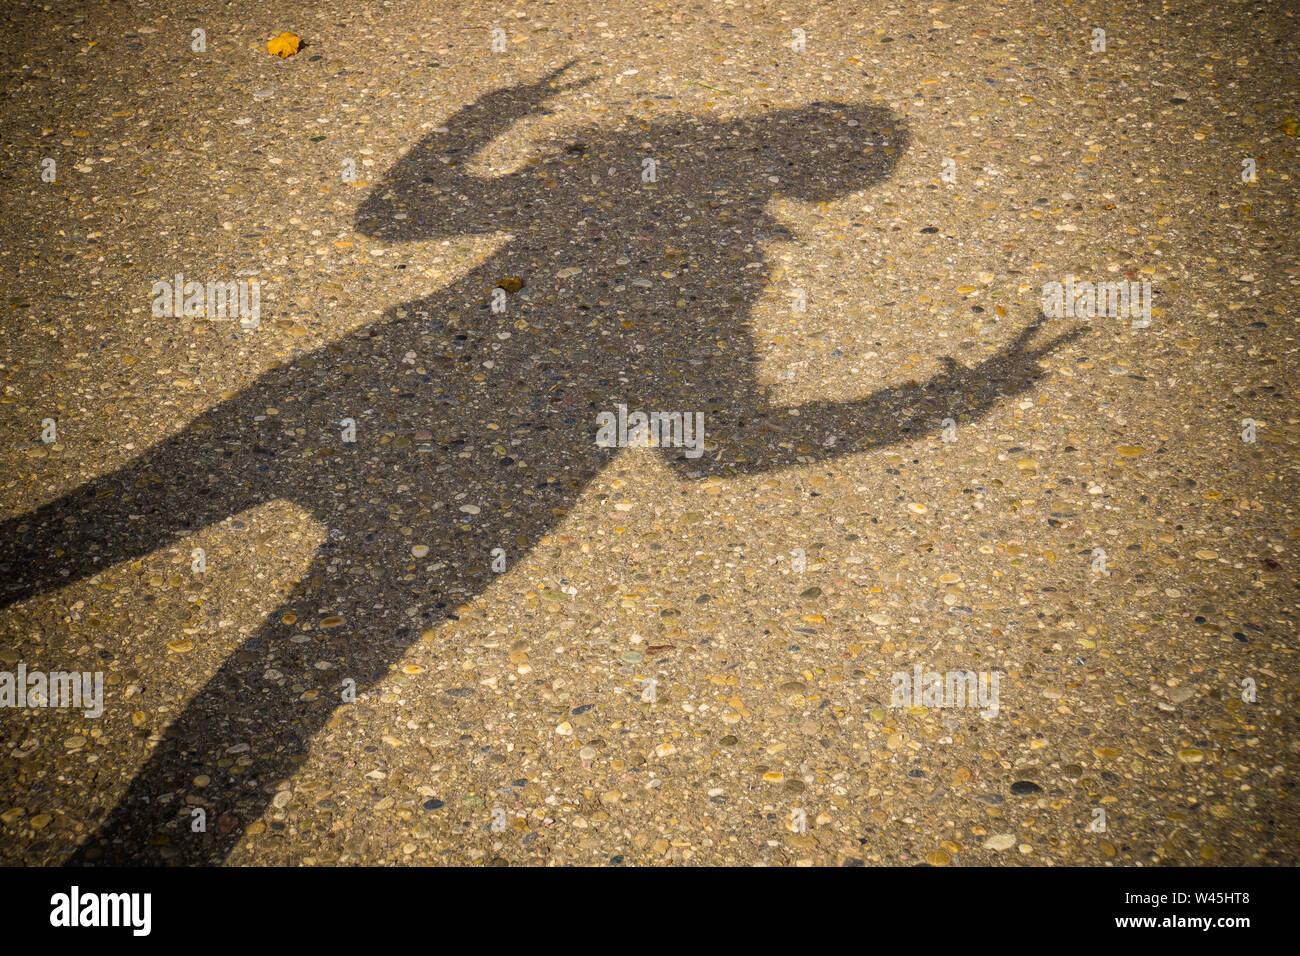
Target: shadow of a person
x,y
575,343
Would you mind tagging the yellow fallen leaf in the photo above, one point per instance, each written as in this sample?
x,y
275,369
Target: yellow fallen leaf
x,y
286,44
1290,126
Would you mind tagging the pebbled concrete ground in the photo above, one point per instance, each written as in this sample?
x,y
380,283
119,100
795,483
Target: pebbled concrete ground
x,y
472,635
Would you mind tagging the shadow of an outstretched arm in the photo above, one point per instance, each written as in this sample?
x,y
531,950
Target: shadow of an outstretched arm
x,y
821,430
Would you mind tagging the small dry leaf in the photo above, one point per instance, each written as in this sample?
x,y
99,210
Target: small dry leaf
x,y
1290,126
286,44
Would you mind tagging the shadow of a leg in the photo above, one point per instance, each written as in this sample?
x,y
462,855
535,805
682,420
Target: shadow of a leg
x,y
177,488
248,731
244,732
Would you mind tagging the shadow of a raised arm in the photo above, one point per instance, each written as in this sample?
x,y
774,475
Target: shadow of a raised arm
x,y
429,194
182,484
